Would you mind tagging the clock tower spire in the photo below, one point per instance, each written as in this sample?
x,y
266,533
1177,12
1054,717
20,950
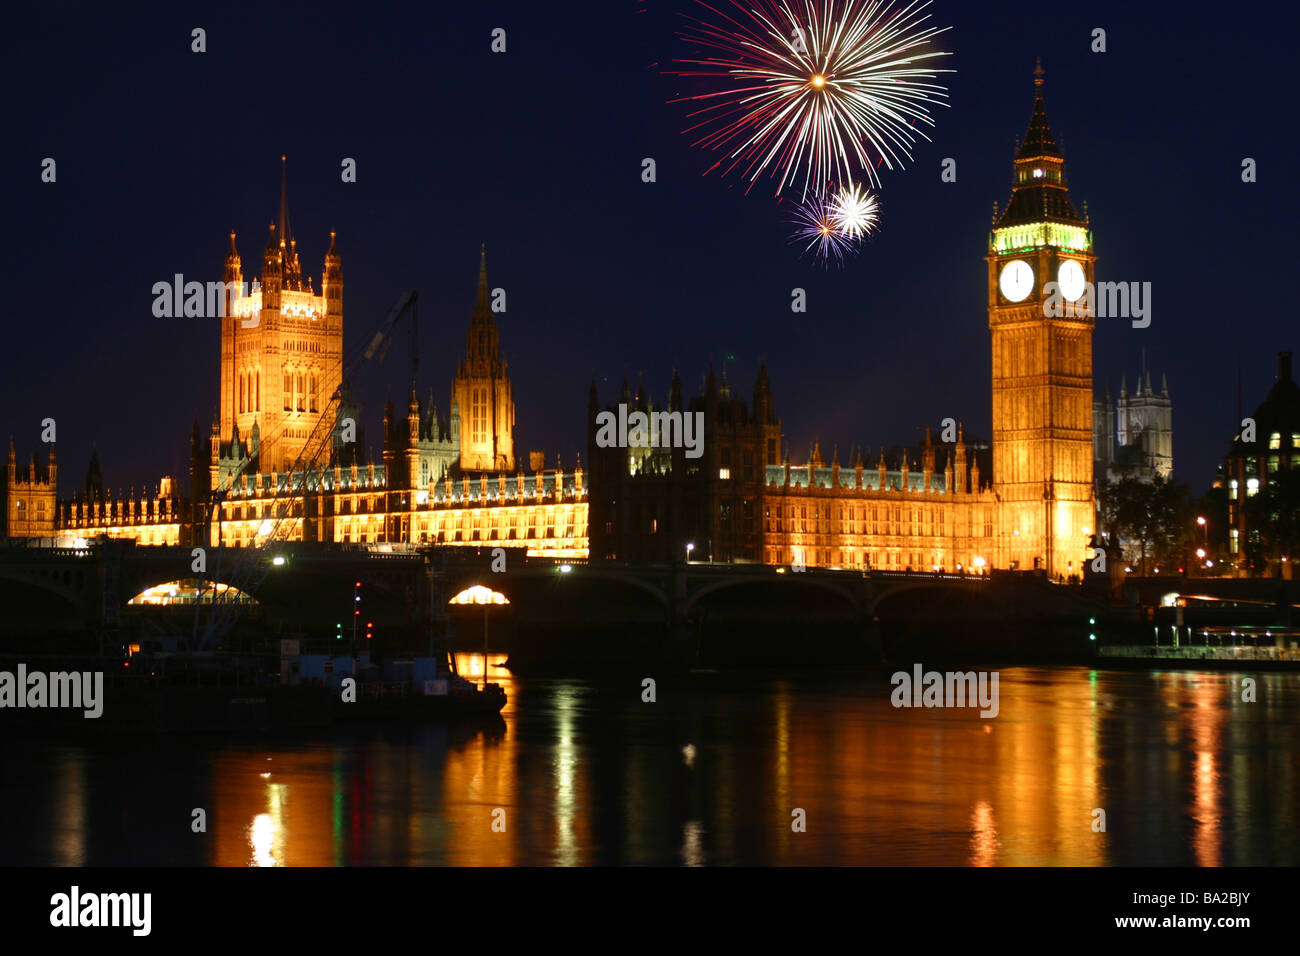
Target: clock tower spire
x,y
1040,273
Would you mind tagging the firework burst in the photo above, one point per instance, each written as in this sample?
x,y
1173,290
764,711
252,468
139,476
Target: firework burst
x,y
813,90
855,212
816,232
832,226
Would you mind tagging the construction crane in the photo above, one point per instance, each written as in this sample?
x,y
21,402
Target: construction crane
x,y
303,479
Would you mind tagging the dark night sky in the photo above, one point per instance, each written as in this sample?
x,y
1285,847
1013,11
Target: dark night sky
x,y
161,152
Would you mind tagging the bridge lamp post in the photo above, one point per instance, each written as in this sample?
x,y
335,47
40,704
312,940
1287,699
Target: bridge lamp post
x,y
1205,538
356,613
690,546
478,594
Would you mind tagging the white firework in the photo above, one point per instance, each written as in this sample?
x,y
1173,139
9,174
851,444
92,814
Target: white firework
x,y
816,90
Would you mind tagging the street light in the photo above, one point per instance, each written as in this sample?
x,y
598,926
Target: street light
x,y
1205,538
478,594
690,546
356,616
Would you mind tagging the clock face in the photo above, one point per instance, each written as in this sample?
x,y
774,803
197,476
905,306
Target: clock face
x,y
1017,280
1071,279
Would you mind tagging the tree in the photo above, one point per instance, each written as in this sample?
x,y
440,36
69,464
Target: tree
x,y
1155,518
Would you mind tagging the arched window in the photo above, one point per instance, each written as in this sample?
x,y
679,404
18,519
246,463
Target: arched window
x,y
297,393
257,390
241,393
311,391
288,391
478,415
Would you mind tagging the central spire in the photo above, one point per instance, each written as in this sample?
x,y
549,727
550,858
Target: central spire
x,y
1039,140
1039,191
291,269
482,305
284,198
482,348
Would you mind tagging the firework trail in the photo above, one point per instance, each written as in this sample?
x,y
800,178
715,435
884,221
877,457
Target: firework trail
x,y
816,90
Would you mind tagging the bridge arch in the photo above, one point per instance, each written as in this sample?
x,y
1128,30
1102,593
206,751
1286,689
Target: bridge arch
x,y
800,581
972,588
61,585
656,591
184,591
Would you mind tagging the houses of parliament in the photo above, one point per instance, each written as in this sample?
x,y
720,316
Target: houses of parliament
x,y
1024,500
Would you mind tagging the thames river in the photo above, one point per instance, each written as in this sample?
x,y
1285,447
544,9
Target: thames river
x,y
718,770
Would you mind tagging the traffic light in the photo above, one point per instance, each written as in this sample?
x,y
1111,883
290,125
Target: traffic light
x,y
1092,625
369,632
338,631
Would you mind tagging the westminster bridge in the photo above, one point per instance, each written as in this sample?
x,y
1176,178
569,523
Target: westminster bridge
x,y
308,591
313,585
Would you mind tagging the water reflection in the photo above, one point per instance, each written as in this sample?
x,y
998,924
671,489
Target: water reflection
x,y
984,836
585,772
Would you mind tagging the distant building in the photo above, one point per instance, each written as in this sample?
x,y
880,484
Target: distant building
x,y
28,496
1251,465
1134,437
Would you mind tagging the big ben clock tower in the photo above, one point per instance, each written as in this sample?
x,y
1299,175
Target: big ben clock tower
x,y
1040,261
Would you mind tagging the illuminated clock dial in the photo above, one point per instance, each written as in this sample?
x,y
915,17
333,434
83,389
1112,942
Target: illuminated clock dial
x,y
1017,280
1071,279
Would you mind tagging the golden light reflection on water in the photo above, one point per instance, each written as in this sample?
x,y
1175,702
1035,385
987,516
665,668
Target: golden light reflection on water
x,y
1207,717
69,833
984,836
266,834
584,772
261,836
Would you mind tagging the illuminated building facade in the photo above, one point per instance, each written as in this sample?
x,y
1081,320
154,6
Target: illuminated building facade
x,y
483,393
1253,466
741,502
1027,501
913,509
29,499
1042,365
448,480
281,351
